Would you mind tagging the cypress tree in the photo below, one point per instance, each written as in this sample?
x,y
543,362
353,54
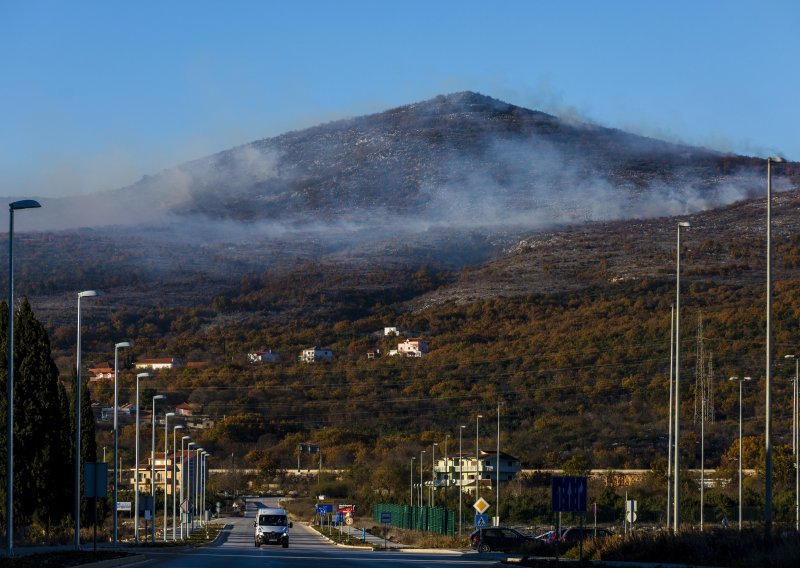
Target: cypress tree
x,y
40,423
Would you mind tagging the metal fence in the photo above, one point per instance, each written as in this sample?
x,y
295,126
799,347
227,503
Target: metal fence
x,y
430,519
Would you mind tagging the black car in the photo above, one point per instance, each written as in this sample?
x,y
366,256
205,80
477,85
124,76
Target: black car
x,y
501,539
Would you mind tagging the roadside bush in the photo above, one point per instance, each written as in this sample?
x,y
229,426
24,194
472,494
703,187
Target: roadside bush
x,y
710,548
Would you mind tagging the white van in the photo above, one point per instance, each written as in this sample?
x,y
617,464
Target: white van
x,y
272,526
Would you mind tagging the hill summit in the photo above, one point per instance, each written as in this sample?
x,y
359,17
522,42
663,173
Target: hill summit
x,y
458,160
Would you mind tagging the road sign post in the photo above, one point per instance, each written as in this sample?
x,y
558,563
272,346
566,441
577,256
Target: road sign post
x,y
569,494
386,519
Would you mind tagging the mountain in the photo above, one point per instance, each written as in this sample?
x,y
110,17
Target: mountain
x,y
455,161
456,180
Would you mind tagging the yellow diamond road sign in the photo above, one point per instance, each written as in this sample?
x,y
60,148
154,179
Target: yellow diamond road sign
x,y
481,505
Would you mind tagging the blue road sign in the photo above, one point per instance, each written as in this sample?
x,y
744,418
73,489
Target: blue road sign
x,y
569,494
386,518
324,508
481,521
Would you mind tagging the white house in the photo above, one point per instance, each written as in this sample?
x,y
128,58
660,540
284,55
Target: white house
x,y
157,364
387,331
462,470
316,354
414,347
263,356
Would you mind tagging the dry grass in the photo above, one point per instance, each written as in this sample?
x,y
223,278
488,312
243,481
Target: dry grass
x,y
710,548
418,539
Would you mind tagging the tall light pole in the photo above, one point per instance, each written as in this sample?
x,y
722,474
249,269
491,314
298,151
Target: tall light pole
x,y
421,453
191,473
198,451
136,467
433,473
477,457
174,451
204,477
676,513
153,465
117,347
796,442
669,415
16,205
446,470
740,444
411,483
184,475
166,453
460,477
84,294
497,473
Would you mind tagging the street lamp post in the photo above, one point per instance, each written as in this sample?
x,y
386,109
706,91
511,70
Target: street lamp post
x,y
166,453
740,444
191,472
184,475
433,473
411,483
84,294
136,467
768,384
16,205
669,415
204,477
477,456
446,470
676,513
117,347
198,451
153,465
796,442
497,473
420,476
460,477
174,451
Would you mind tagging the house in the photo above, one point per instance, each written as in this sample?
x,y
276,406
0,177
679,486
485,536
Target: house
x,y
462,470
373,354
414,347
389,331
316,354
187,409
102,372
158,364
183,474
263,356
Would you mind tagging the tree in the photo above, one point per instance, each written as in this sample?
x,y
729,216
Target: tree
x,y
41,423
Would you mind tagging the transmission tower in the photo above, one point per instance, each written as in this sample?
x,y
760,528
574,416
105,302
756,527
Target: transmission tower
x,y
703,378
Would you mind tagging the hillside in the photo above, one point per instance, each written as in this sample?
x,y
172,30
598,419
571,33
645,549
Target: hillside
x,y
535,255
458,161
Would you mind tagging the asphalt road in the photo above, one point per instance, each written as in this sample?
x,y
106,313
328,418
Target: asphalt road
x,y
306,549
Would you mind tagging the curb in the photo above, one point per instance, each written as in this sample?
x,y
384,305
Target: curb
x,y
123,561
340,545
442,551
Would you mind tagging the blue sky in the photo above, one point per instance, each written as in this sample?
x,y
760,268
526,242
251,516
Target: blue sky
x,y
95,94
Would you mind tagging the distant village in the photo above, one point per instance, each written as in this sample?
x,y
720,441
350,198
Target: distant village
x,y
190,414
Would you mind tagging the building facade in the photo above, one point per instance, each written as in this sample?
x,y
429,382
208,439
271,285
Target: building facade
x,y
463,471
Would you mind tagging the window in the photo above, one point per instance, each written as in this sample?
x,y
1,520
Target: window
x,y
272,520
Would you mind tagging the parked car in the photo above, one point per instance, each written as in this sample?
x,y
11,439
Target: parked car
x,y
549,537
572,535
500,539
